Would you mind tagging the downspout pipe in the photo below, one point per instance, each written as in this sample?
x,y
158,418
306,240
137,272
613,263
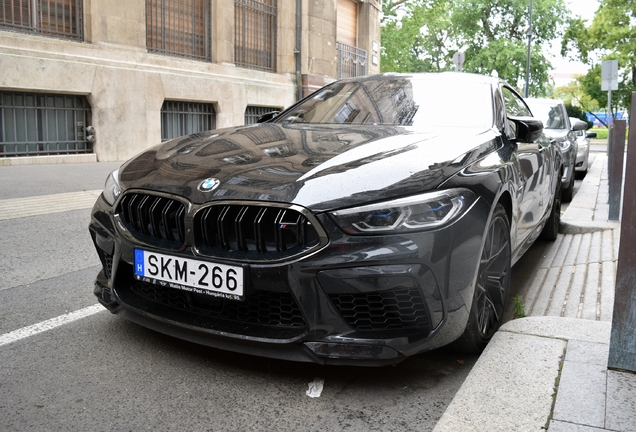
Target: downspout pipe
x,y
299,83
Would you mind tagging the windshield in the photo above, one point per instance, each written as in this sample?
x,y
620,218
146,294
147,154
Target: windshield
x,y
397,101
552,116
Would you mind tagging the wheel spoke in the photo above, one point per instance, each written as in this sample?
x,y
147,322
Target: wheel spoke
x,y
488,316
494,273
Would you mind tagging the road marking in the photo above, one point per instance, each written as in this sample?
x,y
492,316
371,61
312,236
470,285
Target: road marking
x,y
43,326
14,208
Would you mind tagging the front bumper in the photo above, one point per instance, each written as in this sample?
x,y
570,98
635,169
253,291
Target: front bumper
x,y
569,163
368,300
582,157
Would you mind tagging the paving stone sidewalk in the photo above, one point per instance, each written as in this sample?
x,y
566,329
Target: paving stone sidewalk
x,y
549,370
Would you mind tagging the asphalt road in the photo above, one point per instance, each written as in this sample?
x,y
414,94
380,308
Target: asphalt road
x,y
99,372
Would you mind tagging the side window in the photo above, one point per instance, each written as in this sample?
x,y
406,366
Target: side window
x,y
500,113
514,105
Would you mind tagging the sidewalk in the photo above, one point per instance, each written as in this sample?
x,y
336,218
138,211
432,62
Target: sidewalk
x,y
549,370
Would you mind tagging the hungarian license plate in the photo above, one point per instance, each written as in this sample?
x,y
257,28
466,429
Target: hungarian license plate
x,y
202,277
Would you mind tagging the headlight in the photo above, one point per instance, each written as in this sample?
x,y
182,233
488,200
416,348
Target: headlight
x,y
111,188
420,212
564,145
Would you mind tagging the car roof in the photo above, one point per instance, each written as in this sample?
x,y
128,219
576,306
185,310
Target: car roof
x,y
434,76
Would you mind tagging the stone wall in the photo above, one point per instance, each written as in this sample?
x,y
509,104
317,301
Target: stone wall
x,y
126,86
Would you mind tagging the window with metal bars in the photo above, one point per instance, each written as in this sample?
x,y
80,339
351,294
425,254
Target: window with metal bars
x,y
255,24
185,118
59,18
352,61
179,28
33,124
252,113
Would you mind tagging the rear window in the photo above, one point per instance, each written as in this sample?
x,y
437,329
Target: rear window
x,y
552,116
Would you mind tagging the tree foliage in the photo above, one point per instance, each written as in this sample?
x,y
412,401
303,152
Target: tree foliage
x,y
495,34
610,36
418,39
423,35
577,112
575,94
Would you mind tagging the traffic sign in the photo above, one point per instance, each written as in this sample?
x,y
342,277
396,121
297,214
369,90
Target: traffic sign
x,y
458,60
609,75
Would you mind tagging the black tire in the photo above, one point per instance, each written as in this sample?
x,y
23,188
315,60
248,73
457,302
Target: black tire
x,y
580,175
551,228
491,287
568,191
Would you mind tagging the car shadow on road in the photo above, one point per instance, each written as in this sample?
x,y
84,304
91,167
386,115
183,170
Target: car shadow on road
x,y
416,391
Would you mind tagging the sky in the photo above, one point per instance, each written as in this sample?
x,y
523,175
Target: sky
x,y
585,9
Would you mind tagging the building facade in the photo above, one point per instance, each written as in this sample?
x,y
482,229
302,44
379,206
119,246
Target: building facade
x,y
114,77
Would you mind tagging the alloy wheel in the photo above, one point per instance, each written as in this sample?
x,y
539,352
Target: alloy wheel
x,y
494,277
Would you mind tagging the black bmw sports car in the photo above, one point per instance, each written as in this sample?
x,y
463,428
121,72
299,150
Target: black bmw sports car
x,y
375,219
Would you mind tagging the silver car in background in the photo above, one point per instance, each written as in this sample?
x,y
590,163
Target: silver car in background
x,y
556,125
583,153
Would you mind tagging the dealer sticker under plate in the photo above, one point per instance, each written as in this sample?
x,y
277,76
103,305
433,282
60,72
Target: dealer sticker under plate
x,y
202,277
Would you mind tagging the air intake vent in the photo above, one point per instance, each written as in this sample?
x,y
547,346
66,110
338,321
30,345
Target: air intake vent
x,y
385,310
254,232
155,220
107,262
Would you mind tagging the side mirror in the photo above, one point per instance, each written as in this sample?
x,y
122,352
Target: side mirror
x,y
529,129
591,134
267,116
578,125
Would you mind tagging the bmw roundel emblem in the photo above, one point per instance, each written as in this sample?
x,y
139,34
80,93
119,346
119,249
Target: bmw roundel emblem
x,y
208,185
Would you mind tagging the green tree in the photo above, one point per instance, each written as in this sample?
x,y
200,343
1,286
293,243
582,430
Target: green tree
x,y
416,36
610,36
495,34
576,112
574,94
423,35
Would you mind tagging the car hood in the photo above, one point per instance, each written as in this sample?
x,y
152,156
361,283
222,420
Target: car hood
x,y
319,167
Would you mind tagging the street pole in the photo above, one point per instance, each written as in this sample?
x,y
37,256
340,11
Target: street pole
x,y
609,109
525,90
609,82
609,124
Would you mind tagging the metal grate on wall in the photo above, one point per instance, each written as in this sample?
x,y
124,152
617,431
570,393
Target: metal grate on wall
x,y
179,28
252,113
185,118
352,61
255,24
33,124
59,18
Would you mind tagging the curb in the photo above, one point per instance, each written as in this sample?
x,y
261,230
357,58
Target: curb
x,y
50,159
514,383
584,228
